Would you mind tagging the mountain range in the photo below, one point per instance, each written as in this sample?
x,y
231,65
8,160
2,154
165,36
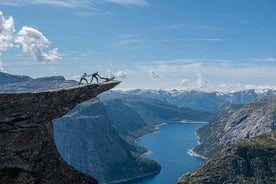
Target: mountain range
x,y
98,136
203,100
22,83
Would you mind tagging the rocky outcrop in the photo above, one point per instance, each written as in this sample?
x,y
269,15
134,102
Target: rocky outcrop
x,y
27,150
247,161
238,122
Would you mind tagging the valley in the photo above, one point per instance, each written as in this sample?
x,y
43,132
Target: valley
x,y
97,137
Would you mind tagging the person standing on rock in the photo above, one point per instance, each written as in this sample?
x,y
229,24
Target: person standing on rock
x,y
95,75
83,77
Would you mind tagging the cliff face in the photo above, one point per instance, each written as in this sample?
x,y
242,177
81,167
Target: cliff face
x,y
238,122
247,161
27,150
88,140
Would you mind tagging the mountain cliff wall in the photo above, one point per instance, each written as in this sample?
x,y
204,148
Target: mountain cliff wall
x,y
87,139
27,150
244,161
238,122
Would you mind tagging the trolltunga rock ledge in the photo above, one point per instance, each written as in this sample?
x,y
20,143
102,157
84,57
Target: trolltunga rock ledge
x,y
27,150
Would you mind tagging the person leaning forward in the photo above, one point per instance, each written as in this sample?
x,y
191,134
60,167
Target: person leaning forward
x,y
95,75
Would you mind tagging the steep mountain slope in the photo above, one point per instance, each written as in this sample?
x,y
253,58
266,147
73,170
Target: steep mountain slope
x,y
102,132
136,115
86,139
247,161
238,122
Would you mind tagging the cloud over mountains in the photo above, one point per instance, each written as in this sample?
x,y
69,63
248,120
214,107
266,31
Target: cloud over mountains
x,y
6,32
32,40
29,38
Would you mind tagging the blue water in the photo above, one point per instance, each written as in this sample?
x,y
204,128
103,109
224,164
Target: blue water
x,y
169,147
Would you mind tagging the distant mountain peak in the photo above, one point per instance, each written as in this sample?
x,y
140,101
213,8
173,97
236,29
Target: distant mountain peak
x,y
21,83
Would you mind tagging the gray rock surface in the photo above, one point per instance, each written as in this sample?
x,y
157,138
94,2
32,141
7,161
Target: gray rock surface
x,y
88,140
27,150
245,161
238,122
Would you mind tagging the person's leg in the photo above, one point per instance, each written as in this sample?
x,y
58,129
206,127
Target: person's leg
x,y
86,80
80,80
97,79
91,80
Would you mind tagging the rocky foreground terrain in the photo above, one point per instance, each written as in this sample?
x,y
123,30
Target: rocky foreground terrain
x,y
240,144
246,161
27,150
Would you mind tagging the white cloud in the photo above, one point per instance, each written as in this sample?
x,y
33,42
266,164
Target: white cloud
x,y
77,4
213,73
32,40
199,74
29,38
62,3
76,77
267,59
11,2
154,75
120,74
129,2
202,27
6,32
1,66
211,39
184,82
200,82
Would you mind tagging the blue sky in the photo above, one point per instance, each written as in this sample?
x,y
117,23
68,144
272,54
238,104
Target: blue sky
x,y
182,44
